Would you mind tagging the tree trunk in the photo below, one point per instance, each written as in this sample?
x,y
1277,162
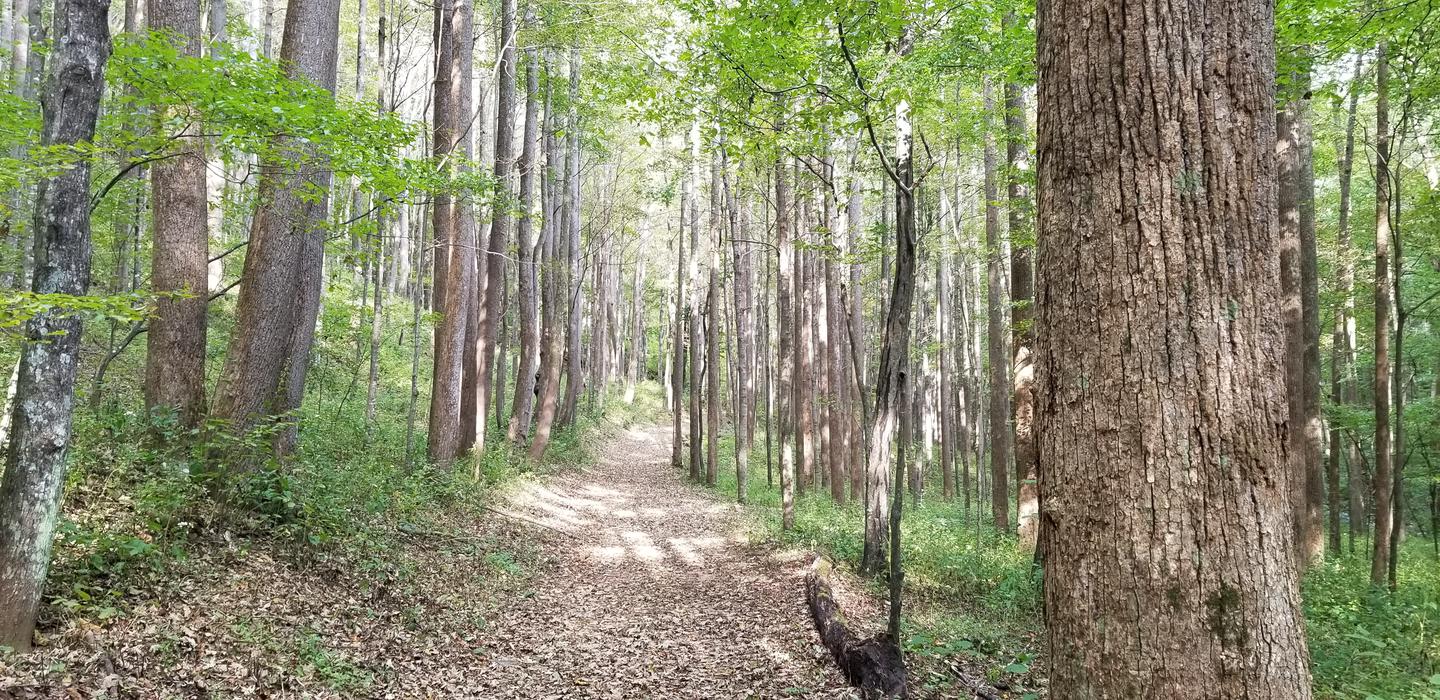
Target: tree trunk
x,y
890,379
1295,201
522,407
692,196
493,287
572,218
1342,363
1022,293
279,297
785,361
1380,561
998,359
175,343
551,351
1160,414
45,384
677,367
455,242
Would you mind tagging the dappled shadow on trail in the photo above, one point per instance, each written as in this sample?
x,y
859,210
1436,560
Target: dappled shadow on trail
x,y
649,592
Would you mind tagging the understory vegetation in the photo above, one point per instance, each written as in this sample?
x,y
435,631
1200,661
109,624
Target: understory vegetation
x,y
973,603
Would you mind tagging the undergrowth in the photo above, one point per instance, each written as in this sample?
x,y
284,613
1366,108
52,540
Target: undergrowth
x,y
973,599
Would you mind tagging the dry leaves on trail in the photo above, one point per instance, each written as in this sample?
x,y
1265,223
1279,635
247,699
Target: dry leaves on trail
x,y
653,595
618,582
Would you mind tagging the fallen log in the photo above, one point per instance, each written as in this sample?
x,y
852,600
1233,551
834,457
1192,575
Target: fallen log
x,y
873,664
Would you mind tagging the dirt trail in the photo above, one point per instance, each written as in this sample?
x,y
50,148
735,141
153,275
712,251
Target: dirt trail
x,y
649,593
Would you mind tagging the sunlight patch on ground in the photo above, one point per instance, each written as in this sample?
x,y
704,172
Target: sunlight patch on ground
x,y
643,546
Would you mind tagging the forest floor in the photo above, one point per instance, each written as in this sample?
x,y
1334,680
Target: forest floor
x,y
619,580
653,592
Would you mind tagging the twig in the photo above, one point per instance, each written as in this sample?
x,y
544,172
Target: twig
x,y
524,519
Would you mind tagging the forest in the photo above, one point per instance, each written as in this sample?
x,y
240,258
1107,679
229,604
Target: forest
x,y
720,349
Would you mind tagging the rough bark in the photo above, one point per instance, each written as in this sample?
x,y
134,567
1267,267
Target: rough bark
x,y
872,664
1160,414
677,366
572,217
175,343
551,290
280,293
453,251
691,195
45,383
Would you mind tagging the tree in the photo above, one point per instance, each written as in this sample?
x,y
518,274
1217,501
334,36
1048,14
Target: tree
x,y
1168,549
1022,294
175,344
526,279
454,242
998,358
45,383
1380,560
281,283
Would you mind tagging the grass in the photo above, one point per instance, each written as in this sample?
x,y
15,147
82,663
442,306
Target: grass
x,y
973,598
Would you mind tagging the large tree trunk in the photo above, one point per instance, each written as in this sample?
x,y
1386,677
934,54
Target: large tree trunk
x,y
45,383
1160,414
175,343
1380,561
280,294
522,407
998,359
454,245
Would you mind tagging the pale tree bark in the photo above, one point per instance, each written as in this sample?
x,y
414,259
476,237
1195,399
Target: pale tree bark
x,y
743,284
522,407
802,386
636,365
785,361
280,294
839,391
1380,560
45,383
1022,293
881,516
1160,413
998,359
716,326
943,317
175,343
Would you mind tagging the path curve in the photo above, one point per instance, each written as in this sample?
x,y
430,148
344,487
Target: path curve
x,y
650,592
